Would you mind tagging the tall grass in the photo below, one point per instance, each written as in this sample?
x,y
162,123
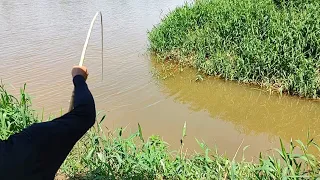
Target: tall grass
x,y
15,114
273,43
111,155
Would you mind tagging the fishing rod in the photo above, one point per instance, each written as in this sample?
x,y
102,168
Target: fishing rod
x,y
83,54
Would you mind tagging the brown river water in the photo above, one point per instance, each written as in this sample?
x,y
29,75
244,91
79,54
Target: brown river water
x,y
41,40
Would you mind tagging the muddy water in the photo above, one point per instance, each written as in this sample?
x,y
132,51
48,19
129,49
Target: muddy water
x,y
42,40
232,112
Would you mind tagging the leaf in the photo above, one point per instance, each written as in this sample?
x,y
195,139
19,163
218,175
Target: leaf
x,y
260,158
140,133
201,144
120,132
280,153
304,158
243,150
316,145
101,157
163,165
301,144
184,129
103,117
311,140
283,149
233,170
246,147
89,155
284,172
291,170
3,122
117,156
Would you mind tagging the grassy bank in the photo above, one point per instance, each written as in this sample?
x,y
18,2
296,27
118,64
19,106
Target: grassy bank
x,y
100,155
273,43
116,157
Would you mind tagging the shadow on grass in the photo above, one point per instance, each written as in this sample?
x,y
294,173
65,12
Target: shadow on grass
x,y
100,174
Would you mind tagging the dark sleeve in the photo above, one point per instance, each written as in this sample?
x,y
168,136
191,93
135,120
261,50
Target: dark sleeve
x,y
50,142
73,125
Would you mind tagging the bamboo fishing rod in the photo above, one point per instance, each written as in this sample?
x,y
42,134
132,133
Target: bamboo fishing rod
x,y
83,54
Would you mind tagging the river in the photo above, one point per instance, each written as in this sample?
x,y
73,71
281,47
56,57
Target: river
x,y
41,40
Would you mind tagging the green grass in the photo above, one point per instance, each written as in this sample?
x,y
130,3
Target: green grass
x,y
15,114
273,43
111,155
114,156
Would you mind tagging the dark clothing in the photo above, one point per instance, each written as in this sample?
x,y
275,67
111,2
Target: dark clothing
x,y
39,150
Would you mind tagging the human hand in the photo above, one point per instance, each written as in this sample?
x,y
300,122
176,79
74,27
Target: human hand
x,y
79,70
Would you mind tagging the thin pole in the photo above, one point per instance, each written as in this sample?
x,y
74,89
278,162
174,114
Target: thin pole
x,y
85,48
102,48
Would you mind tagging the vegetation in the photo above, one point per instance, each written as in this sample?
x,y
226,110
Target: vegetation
x,y
273,43
15,114
98,156
113,156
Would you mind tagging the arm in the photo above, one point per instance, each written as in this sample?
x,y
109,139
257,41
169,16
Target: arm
x,y
52,141
39,150
82,117
73,125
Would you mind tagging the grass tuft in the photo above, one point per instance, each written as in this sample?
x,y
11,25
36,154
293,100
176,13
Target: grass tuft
x,y
15,113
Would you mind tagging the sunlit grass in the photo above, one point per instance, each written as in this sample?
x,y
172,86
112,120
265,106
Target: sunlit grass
x,y
273,43
15,113
111,155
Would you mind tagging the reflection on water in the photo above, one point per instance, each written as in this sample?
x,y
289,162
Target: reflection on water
x,y
41,40
250,110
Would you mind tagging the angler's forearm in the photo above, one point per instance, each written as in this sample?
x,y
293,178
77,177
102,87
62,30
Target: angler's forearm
x,y
39,150
84,106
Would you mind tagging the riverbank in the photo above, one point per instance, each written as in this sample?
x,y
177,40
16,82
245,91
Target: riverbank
x,y
270,43
110,155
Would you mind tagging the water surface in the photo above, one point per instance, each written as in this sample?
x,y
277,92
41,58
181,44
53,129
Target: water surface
x,y
41,40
